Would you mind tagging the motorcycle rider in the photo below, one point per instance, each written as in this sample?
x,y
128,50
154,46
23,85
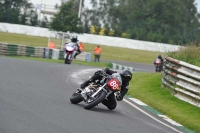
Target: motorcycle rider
x,y
110,102
74,39
161,61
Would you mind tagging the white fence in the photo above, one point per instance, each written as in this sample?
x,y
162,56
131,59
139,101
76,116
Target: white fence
x,y
92,39
183,79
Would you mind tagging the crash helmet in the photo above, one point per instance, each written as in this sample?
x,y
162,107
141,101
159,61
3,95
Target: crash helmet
x,y
74,38
159,56
126,76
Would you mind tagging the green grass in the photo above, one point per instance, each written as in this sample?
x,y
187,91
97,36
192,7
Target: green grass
x,y
144,86
108,53
190,54
95,64
23,39
147,88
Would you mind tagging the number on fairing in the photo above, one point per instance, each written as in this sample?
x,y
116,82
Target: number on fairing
x,y
114,85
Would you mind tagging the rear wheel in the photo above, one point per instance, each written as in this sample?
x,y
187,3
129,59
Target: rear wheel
x,y
76,98
90,103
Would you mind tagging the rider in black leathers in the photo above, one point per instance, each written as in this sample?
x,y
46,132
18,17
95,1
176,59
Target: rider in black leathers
x,y
162,62
110,102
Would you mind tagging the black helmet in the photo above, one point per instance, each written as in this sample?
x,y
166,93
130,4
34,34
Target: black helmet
x,y
126,75
74,38
159,56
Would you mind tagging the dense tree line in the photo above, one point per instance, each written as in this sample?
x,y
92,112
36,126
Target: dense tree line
x,y
67,19
20,12
166,21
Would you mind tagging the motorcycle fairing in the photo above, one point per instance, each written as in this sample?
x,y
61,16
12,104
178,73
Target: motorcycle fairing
x,y
69,48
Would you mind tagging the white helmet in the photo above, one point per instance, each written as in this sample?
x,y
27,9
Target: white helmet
x,y
74,38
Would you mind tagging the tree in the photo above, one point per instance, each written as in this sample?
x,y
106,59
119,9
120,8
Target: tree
x,y
166,21
19,12
67,19
44,23
155,20
25,14
11,10
33,18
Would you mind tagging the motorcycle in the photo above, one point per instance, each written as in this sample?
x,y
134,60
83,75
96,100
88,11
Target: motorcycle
x,y
96,92
69,52
158,65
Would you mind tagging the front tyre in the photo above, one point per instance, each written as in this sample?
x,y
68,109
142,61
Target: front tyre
x,y
66,59
157,68
98,99
76,98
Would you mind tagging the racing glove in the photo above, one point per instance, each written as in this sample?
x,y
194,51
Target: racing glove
x,y
98,72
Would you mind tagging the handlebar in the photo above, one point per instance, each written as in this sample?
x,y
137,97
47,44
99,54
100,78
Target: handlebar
x,y
104,74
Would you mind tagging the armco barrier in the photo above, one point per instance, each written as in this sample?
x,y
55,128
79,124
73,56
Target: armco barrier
x,y
120,67
183,79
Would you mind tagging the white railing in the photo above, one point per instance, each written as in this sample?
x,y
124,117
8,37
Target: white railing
x,y
183,79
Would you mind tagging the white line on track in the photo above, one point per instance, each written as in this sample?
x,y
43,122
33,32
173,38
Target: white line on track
x,y
151,116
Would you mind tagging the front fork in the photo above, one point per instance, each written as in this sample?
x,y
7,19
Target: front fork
x,y
88,90
71,55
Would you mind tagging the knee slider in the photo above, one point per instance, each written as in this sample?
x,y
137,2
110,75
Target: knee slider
x,y
112,107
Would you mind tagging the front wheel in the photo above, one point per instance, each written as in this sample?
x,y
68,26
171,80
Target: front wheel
x,y
66,59
157,68
98,99
76,98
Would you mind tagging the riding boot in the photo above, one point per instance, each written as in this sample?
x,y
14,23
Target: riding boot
x,y
75,55
84,84
110,102
105,102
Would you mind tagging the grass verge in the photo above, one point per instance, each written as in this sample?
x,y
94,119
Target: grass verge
x,y
147,88
108,52
189,54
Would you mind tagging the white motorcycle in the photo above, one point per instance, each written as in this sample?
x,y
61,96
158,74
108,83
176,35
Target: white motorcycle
x,y
70,49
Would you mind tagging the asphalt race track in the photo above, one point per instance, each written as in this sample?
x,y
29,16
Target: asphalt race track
x,y
34,98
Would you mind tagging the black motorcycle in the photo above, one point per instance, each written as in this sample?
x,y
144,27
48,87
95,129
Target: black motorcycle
x,y
97,91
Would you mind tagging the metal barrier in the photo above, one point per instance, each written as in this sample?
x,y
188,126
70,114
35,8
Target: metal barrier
x,y
183,79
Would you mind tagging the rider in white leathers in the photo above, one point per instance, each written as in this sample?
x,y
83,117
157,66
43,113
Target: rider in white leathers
x,y
74,39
